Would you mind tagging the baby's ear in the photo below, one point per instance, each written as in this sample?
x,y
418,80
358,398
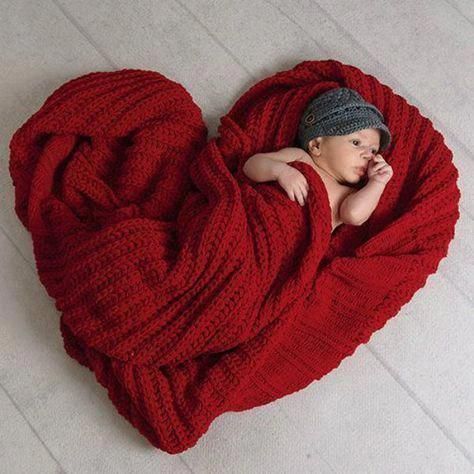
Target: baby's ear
x,y
314,144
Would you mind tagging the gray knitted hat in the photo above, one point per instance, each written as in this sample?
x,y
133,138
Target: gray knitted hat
x,y
340,111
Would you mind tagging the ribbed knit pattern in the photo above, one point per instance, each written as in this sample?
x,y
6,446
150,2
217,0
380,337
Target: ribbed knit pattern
x,y
190,290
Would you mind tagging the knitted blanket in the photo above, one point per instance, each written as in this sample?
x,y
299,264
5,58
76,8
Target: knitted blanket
x,y
190,290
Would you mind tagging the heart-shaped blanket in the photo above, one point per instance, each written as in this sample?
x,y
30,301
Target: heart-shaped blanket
x,y
190,290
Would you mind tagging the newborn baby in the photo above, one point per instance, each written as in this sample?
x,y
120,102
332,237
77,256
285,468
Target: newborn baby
x,y
340,136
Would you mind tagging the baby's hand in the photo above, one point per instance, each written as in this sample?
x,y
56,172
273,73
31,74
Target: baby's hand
x,y
379,170
294,183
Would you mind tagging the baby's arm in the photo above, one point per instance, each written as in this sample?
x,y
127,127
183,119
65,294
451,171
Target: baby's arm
x,y
263,167
357,207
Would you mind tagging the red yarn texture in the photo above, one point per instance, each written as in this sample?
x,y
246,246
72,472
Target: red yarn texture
x,y
188,289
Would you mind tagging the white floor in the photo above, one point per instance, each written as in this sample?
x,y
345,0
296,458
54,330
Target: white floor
x,y
404,402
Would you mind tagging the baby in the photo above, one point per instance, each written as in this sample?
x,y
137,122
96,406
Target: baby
x,y
340,136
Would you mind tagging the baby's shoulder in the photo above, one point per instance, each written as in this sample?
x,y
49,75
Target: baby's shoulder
x,y
288,154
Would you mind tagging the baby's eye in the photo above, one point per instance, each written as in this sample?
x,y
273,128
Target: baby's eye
x,y
374,151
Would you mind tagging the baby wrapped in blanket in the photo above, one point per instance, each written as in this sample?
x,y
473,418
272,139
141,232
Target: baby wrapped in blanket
x,y
188,290
340,136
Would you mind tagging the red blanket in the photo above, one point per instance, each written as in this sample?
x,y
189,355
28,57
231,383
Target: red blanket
x,y
190,290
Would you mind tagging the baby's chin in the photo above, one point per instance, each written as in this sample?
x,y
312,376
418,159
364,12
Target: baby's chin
x,y
355,182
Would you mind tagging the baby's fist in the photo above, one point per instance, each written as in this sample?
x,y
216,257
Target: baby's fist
x,y
379,170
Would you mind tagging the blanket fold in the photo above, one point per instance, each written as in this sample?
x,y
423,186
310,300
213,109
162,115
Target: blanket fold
x,y
190,290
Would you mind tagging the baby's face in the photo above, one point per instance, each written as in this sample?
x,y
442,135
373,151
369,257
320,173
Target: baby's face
x,y
344,155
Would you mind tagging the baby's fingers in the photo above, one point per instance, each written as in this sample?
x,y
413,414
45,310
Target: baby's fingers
x,y
301,193
294,194
378,166
305,190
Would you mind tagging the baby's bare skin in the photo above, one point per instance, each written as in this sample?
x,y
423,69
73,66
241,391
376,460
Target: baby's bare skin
x,y
336,192
335,159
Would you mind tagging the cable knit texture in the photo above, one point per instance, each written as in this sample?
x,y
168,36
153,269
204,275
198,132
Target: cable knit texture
x,y
190,290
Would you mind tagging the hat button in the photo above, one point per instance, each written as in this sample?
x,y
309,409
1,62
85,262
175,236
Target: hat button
x,y
309,118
